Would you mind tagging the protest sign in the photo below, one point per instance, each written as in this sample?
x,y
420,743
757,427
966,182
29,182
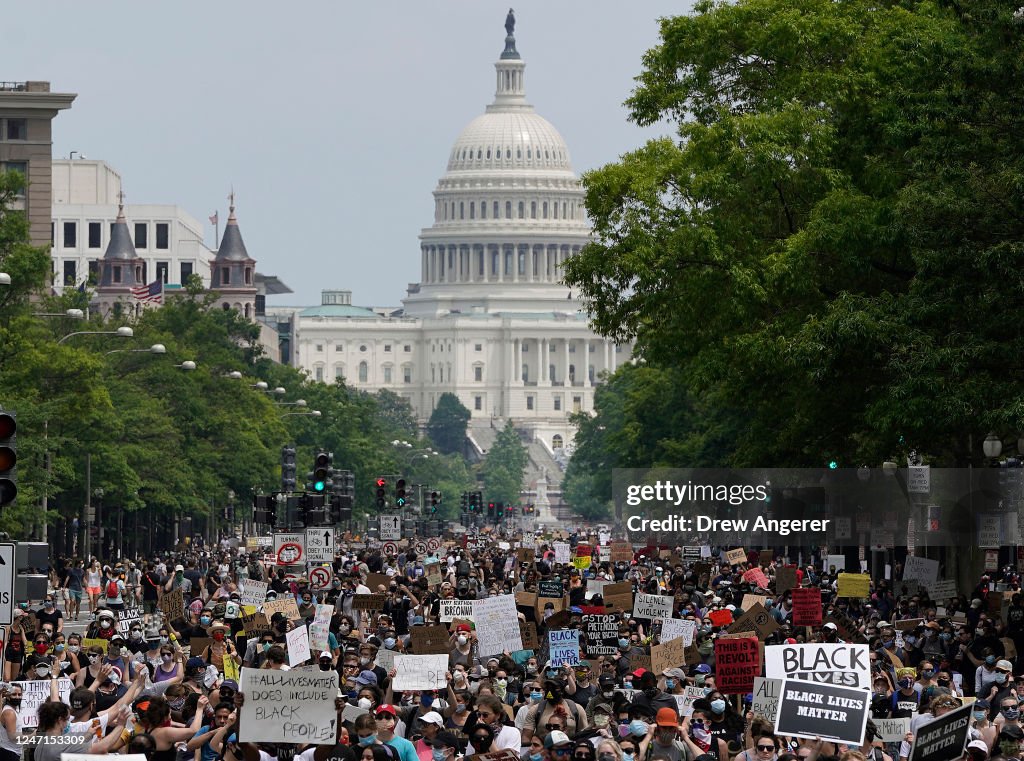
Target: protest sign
x,y
750,601
807,606
640,662
758,619
549,588
256,624
766,697
433,573
941,591
736,557
320,628
943,739
835,563
756,577
528,632
720,617
765,557
582,562
602,633
125,619
172,604
923,570
497,625
285,605
374,581
298,645
508,754
386,658
33,694
596,587
561,552
684,702
892,730
618,596
676,628
288,706
667,655
563,647
526,599
430,640
420,672
652,607
810,710
369,602
854,585
254,592
843,665
526,555
622,552
785,579
451,609
737,664
846,627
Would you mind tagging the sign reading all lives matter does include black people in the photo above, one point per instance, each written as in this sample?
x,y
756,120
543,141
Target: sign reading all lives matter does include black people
x,y
810,710
846,665
288,706
942,739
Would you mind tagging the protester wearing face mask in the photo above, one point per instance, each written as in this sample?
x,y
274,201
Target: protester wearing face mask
x,y
170,667
907,697
10,750
726,724
461,653
554,703
50,615
697,734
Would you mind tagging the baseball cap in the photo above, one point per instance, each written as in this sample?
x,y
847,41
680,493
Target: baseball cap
x,y
462,628
444,739
179,568
1004,665
703,668
666,717
556,737
606,680
831,626
978,745
639,672
432,717
790,641
675,673
367,677
231,684
326,655
384,707
195,663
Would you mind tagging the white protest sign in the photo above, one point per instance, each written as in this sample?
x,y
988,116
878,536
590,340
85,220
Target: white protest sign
x,y
288,706
451,609
254,592
386,658
596,587
33,694
321,627
289,549
892,730
835,561
298,646
922,570
674,628
497,625
420,672
843,665
125,619
766,697
319,545
561,552
652,606
684,702
390,528
563,647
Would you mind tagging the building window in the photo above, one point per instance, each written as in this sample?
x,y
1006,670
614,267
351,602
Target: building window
x,y
545,210
572,348
94,271
472,210
319,374
508,210
572,373
522,209
161,271
225,275
17,129
556,441
483,210
526,347
95,235
186,271
339,373
533,209
478,373
319,348
462,209
478,347
407,374
364,371
478,403
70,234
248,275
529,402
495,210
590,373
339,347
362,348
387,347
70,273
141,230
577,403
551,374
558,402
407,348
526,373
163,235
387,375
618,349
116,274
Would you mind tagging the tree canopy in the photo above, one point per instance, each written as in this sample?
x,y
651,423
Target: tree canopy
x,y
447,425
504,467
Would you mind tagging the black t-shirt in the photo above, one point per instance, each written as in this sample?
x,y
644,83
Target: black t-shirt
x,y
150,581
1015,619
49,618
341,753
904,706
73,579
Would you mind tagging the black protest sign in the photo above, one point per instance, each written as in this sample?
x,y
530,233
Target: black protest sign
x,y
550,588
943,738
810,710
602,633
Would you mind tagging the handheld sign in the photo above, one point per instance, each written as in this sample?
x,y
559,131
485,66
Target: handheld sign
x,y
807,606
738,663
810,710
652,607
943,739
497,625
844,665
288,706
602,635
563,647
766,697
854,585
420,672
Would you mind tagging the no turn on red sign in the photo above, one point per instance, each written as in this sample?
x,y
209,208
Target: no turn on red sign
x,y
289,549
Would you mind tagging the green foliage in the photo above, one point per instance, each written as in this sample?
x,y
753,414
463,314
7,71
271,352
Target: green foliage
x,y
447,425
396,414
504,466
826,256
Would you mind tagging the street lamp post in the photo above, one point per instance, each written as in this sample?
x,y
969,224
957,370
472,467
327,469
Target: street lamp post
x,y
98,494
122,332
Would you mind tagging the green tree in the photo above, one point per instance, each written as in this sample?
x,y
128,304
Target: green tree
x,y
447,425
396,414
504,466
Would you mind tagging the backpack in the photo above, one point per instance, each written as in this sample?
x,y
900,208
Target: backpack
x,y
112,589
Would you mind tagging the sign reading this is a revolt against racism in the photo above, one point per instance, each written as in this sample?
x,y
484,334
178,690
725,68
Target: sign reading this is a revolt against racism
x,y
811,709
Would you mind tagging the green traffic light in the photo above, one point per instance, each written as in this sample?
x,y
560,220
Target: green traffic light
x,y
319,486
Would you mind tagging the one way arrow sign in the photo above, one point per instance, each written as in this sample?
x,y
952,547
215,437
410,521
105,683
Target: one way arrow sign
x,y
319,545
6,583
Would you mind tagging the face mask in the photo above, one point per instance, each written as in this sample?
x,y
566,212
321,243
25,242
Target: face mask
x,y
345,628
93,657
628,757
368,740
623,643
536,756
945,636
670,684
204,620
905,683
701,734
943,683
426,700
609,693
1001,678
980,715
927,673
48,605
42,669
325,665
365,704
164,640
439,754
136,635
638,728
600,721
219,636
389,643
888,642
462,640
76,649
364,661
627,685
41,648
14,702
166,658
990,660
531,669
59,647
718,706
1010,713
461,707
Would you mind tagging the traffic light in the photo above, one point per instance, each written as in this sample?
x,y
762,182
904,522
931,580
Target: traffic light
x,y
288,476
490,509
322,471
400,492
435,501
8,457
464,502
382,493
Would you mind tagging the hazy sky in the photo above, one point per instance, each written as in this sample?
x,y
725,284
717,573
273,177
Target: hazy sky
x,y
333,120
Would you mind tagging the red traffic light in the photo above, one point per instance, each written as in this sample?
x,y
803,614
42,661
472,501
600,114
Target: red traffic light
x,y
382,482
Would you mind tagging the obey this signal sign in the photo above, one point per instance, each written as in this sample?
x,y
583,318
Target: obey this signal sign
x,y
289,549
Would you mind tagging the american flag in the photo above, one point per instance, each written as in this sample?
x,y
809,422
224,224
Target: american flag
x,y
153,292
214,217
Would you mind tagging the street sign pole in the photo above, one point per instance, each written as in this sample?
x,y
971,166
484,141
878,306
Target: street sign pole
x,y
6,583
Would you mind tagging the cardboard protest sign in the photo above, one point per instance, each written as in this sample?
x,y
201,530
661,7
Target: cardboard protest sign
x,y
173,605
451,609
994,602
256,624
288,706
298,645
908,624
854,585
722,617
528,632
622,552
602,633
376,580
810,709
765,557
420,672
846,627
550,588
33,694
942,591
640,662
526,599
618,596
944,738
785,579
526,555
652,607
558,620
563,647
676,628
320,628
433,573
843,665
285,605
562,550
766,697
369,602
807,606
497,625
758,619
750,601
684,702
508,754
756,577
737,664
892,730
386,658
667,655
736,557
430,640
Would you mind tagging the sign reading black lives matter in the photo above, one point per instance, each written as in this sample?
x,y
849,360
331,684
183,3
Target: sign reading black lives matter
x,y
943,738
810,710
846,665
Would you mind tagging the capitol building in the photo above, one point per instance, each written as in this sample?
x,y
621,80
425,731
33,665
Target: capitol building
x,y
490,320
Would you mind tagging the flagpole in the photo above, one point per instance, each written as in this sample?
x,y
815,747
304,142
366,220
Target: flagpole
x,y
216,233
